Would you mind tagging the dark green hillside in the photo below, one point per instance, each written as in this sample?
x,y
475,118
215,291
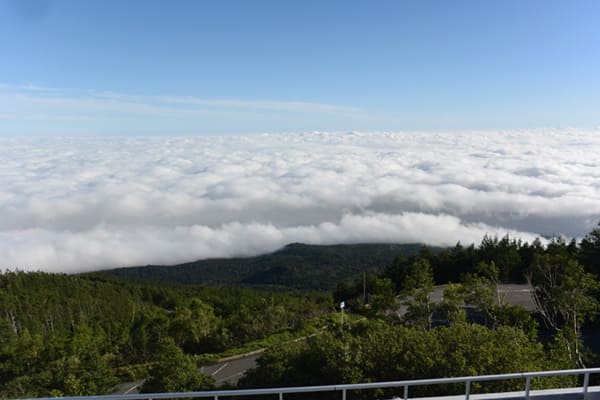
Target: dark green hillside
x,y
298,266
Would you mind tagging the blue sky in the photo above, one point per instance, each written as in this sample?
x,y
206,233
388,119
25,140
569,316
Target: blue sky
x,y
200,67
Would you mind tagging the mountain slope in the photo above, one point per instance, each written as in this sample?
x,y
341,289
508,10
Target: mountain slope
x,y
299,266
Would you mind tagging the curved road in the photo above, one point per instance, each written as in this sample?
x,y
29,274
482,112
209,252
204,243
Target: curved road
x,y
230,371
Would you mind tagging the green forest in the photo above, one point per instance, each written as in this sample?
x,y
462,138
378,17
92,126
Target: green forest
x,y
66,335
295,266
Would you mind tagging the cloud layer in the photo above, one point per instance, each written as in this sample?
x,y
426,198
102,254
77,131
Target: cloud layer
x,y
79,204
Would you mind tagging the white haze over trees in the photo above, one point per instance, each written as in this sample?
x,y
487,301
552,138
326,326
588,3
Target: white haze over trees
x,y
79,204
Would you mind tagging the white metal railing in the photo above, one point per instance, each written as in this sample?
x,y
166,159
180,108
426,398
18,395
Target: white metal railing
x,y
344,388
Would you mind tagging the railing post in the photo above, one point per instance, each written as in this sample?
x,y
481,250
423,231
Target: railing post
x,y
216,397
586,383
527,386
467,390
405,392
343,394
280,395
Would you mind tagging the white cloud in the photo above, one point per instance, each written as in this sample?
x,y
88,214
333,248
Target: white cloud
x,y
85,203
48,103
38,110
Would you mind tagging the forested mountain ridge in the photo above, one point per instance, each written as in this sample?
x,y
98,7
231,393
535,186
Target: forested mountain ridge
x,y
298,266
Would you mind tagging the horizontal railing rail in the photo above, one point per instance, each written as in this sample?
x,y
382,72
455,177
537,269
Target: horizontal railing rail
x,y
344,388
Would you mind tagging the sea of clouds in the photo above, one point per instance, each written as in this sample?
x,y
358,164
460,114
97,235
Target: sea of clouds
x,y
79,204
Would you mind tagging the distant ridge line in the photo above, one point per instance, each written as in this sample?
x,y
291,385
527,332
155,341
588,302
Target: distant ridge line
x,y
294,266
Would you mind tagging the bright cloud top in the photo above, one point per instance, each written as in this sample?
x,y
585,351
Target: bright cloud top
x,y
87,203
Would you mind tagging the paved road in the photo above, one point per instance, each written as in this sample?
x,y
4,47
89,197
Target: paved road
x,y
226,371
518,295
128,387
230,371
514,294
